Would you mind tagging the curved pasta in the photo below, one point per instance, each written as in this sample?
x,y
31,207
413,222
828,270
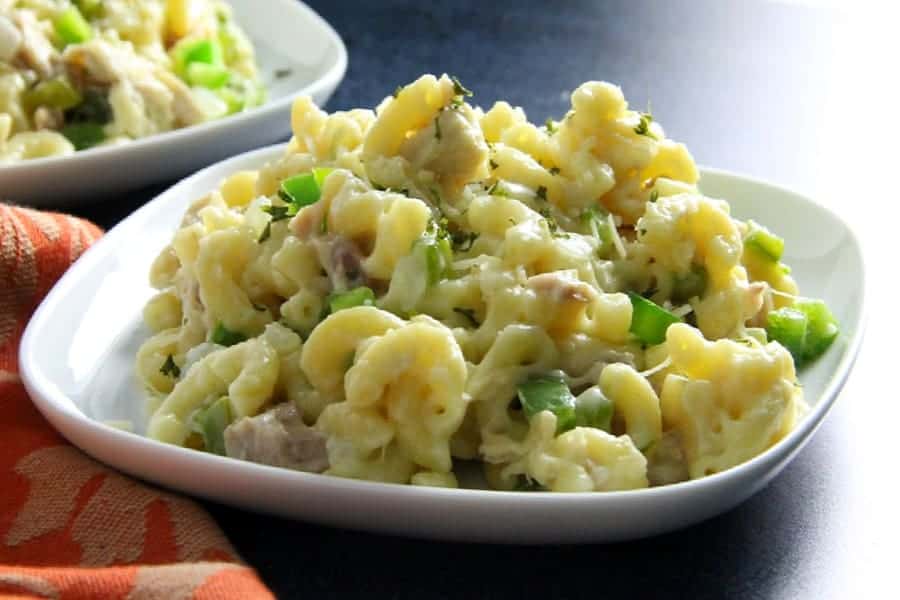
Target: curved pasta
x,y
728,401
35,144
246,373
221,259
442,264
407,385
635,401
582,459
333,344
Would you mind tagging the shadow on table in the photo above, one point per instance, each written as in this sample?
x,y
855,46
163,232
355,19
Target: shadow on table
x,y
756,551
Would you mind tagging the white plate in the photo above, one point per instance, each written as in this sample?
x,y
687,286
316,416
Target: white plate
x,y
287,35
77,362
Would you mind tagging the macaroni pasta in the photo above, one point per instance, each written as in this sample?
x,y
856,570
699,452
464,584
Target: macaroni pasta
x,y
429,283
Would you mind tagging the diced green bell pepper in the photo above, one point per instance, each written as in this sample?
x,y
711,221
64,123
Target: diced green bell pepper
x,y
233,99
56,93
806,329
83,135
597,224
94,108
361,296
764,242
649,321
71,27
320,173
437,255
211,422
549,393
187,52
593,409
208,76
300,190
90,8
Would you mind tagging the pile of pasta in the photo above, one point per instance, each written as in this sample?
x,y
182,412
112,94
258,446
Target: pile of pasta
x,y
430,284
79,73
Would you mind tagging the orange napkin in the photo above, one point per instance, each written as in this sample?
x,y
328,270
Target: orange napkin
x,y
71,528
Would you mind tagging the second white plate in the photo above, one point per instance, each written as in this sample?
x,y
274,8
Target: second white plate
x,y
298,53
78,351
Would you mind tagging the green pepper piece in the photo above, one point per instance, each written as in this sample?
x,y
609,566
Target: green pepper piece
x,y
788,327
56,92
211,422
690,285
437,255
206,75
90,8
187,52
83,135
94,108
822,329
806,329
361,296
649,321
301,190
593,409
233,100
549,393
320,173
225,337
71,26
764,242
597,224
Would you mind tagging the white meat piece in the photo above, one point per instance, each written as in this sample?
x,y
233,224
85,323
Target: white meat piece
x,y
278,437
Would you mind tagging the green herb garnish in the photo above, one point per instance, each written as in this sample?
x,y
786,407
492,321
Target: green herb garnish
x,y
463,240
279,212
170,369
551,126
225,337
497,189
266,232
458,88
552,225
643,126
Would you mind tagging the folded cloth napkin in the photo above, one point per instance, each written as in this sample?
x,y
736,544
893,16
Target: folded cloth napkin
x,y
71,528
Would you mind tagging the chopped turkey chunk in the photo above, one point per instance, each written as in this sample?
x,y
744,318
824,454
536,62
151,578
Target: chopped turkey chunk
x,y
277,437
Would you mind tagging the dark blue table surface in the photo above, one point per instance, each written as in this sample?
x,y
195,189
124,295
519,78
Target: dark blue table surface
x,y
741,84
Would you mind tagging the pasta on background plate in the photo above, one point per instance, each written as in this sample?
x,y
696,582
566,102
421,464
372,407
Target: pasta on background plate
x,y
429,283
80,73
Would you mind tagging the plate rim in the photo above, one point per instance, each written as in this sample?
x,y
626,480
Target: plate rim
x,y
330,79
62,412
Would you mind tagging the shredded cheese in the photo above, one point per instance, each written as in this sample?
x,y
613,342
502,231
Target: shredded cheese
x,y
617,240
